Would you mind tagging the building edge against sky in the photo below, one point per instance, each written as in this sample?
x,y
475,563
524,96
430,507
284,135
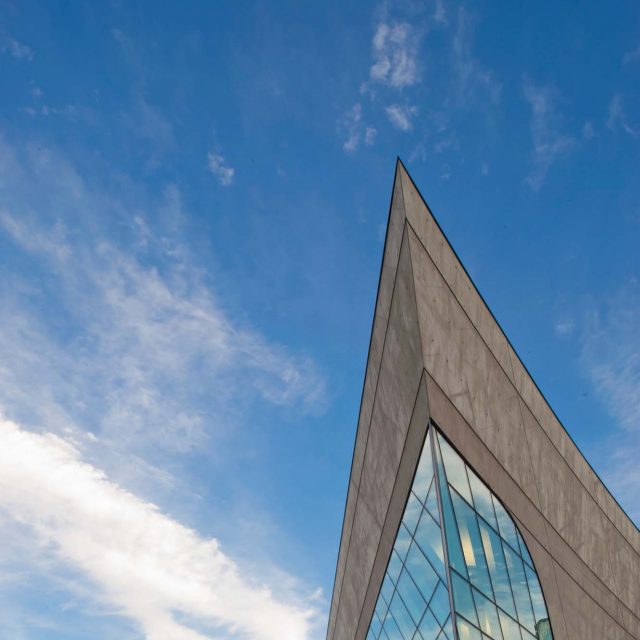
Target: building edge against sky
x,y
437,355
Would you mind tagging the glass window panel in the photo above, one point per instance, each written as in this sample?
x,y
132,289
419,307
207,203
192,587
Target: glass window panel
x,y
482,499
520,589
387,589
523,550
375,625
505,524
487,615
462,599
411,597
403,541
421,571
412,513
429,627
439,604
466,631
429,538
497,569
395,567
471,545
539,610
402,617
381,608
454,550
455,469
432,502
510,628
495,590
424,473
391,629
448,628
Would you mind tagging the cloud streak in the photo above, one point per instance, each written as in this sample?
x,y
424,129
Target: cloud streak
x,y
116,349
401,116
151,356
220,169
15,49
144,564
611,357
548,143
395,52
471,75
355,129
617,118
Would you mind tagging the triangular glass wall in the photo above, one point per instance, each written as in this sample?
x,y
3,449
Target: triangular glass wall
x,y
457,550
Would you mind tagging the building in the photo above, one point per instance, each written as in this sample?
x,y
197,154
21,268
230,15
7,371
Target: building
x,y
470,512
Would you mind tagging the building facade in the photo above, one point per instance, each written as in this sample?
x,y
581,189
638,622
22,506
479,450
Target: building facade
x,y
470,514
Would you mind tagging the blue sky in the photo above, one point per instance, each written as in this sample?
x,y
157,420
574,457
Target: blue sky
x,y
192,208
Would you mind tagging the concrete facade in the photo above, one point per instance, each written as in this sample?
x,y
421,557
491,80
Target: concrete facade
x,y
437,353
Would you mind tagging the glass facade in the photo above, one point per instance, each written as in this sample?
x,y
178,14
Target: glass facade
x,y
459,568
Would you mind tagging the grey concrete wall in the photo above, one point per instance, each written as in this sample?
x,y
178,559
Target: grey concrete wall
x,y
437,351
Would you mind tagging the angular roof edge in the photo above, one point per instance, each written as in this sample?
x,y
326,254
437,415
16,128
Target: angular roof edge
x,y
408,180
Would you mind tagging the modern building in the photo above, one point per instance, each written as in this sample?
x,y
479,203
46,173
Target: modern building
x,y
470,512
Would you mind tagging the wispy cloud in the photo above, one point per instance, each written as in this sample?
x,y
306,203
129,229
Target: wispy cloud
x,y
220,169
16,49
143,564
631,56
440,13
401,116
138,330
564,327
548,142
351,122
395,53
471,74
115,343
611,357
355,130
617,118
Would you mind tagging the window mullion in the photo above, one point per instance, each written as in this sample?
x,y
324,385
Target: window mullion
x,y
436,476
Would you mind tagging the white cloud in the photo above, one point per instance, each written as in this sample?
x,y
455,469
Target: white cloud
x,y
355,130
16,49
564,327
351,122
395,52
116,344
401,116
611,357
143,564
548,143
470,73
152,357
370,134
218,166
617,118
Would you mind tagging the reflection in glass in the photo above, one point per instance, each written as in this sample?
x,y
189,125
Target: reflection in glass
x,y
520,589
497,569
472,545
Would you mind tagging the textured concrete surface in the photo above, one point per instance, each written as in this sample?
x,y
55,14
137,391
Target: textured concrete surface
x,y
437,352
